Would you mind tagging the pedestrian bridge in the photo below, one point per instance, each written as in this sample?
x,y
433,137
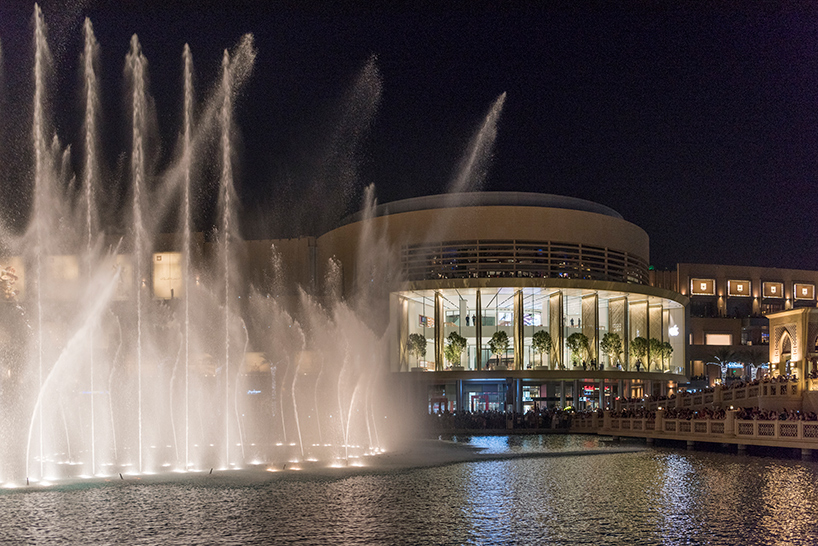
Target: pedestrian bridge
x,y
730,430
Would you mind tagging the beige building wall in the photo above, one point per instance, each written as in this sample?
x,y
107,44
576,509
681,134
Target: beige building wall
x,y
756,275
382,238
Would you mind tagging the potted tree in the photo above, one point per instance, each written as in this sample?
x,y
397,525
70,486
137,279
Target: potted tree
x,y
498,345
639,349
611,345
542,343
454,348
579,346
416,345
655,353
667,352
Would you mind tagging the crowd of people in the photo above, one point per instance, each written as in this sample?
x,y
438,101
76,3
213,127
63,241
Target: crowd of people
x,y
689,414
757,414
542,419
754,413
557,419
636,413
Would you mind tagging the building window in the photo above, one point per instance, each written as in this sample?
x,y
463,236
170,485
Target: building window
x,y
703,309
767,308
718,339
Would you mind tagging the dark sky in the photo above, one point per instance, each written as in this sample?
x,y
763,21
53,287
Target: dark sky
x,y
697,121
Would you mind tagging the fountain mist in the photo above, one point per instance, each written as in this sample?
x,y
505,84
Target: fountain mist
x,y
105,312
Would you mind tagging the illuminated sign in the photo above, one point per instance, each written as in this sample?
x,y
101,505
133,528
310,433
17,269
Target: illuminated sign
x,y
702,287
168,282
673,331
738,288
773,289
804,291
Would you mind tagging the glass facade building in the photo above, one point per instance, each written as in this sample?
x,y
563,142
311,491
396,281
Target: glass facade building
x,y
499,270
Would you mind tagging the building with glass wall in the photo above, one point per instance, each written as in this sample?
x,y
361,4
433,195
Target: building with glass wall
x,y
489,267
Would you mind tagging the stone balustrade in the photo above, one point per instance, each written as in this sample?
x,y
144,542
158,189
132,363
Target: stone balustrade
x,y
721,396
802,434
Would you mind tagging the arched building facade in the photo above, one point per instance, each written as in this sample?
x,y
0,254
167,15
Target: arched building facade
x,y
482,267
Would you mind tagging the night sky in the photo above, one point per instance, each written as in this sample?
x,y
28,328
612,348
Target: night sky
x,y
697,121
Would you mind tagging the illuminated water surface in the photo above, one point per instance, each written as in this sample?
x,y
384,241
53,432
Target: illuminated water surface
x,y
653,496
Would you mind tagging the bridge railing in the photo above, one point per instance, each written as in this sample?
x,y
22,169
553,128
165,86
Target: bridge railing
x,y
715,430
747,395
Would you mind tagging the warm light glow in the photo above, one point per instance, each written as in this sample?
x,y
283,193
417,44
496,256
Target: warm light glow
x,y
738,288
702,287
168,281
804,291
772,289
718,339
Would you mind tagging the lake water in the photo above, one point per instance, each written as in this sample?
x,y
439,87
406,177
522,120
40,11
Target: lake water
x,y
555,490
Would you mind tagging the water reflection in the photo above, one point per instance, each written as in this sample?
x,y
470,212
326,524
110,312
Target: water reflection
x,y
530,443
651,497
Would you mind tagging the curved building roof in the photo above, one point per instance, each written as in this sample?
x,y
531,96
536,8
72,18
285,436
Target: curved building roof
x,y
485,199
495,234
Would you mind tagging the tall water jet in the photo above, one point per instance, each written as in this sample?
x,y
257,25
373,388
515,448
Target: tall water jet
x,y
187,227
226,182
41,164
90,54
339,163
136,65
473,167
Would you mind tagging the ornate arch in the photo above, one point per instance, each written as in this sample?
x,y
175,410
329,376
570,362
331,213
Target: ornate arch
x,y
782,333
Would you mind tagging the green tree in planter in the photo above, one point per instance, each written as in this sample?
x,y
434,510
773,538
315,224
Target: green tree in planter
x,y
416,345
639,349
667,352
655,352
454,348
542,343
611,345
580,347
498,344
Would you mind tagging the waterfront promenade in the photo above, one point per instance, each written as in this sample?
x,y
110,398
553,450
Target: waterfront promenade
x,y
776,413
717,416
